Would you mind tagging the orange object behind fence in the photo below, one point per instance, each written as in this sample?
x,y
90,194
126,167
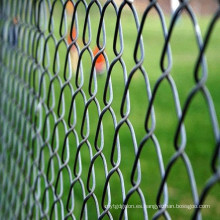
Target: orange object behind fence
x,y
100,62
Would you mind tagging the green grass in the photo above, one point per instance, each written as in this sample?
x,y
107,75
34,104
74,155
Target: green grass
x,y
200,137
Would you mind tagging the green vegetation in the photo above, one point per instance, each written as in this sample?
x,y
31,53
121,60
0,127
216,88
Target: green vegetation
x,y
200,137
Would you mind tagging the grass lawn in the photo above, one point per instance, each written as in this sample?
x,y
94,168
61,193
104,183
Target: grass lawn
x,y
200,137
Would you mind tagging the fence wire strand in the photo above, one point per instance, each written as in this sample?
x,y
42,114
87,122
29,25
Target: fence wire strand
x,y
54,143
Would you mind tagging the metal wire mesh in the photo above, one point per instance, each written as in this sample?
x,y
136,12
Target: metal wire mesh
x,y
64,123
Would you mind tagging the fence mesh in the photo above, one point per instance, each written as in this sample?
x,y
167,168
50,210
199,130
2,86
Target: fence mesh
x,y
106,112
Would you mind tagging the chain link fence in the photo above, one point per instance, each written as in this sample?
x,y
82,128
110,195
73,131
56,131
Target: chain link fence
x,y
107,112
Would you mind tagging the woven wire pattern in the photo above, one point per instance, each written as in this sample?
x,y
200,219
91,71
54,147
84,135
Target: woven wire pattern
x,y
51,113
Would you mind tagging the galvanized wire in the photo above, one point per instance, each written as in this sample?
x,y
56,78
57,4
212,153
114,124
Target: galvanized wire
x,y
39,112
